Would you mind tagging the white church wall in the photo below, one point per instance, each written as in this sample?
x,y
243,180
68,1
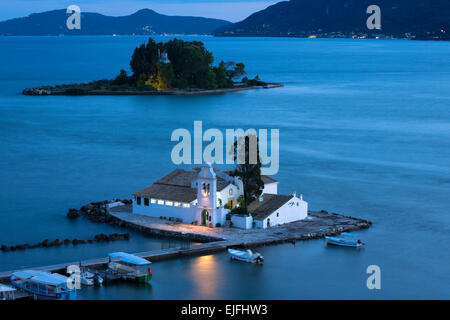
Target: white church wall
x,y
294,210
219,216
271,188
242,222
188,215
225,195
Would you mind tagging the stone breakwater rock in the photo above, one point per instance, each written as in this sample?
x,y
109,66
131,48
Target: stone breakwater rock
x,y
73,213
97,211
58,242
112,237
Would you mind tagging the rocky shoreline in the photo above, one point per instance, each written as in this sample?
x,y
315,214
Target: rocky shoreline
x,y
65,90
99,212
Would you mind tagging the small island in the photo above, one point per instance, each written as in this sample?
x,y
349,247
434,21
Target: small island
x,y
176,67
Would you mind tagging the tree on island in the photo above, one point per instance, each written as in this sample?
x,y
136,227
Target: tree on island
x,y
188,65
246,151
177,64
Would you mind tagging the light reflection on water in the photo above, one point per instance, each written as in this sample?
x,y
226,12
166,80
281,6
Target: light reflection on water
x,y
205,271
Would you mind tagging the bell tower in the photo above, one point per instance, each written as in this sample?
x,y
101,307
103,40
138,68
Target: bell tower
x,y
206,196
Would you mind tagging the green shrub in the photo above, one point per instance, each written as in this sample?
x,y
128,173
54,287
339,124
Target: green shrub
x,y
75,91
238,210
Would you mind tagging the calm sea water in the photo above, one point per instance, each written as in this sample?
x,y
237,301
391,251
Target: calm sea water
x,y
364,131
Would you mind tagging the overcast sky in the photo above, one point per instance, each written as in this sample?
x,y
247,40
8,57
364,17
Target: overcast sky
x,y
232,10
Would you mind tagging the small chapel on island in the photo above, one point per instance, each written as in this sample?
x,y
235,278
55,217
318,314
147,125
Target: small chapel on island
x,y
205,196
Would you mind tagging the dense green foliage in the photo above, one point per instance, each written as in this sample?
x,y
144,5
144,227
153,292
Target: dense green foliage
x,y
178,64
238,210
246,151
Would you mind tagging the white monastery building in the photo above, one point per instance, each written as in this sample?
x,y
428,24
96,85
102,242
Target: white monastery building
x,y
206,194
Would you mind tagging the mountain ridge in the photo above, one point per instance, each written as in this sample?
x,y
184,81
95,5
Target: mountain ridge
x,y
142,22
418,19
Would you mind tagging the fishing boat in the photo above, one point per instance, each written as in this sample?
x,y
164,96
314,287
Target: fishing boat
x,y
247,256
130,267
7,292
345,240
43,285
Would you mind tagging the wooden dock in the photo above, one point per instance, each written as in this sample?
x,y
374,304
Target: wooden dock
x,y
319,224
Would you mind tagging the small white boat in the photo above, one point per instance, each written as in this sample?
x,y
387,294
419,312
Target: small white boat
x,y
247,256
89,279
345,240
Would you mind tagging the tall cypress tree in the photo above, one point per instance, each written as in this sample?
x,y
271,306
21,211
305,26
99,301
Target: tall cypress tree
x,y
248,169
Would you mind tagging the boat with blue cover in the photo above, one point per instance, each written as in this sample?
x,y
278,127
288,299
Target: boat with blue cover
x,y
43,285
7,292
344,240
130,267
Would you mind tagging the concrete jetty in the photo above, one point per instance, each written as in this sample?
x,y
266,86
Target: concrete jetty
x,y
317,225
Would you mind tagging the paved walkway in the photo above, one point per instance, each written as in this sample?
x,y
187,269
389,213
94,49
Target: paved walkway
x,y
317,223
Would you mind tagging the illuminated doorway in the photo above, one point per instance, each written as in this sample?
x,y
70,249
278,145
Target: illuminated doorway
x,y
205,217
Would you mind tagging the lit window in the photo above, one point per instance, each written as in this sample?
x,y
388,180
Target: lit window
x,y
176,204
205,189
169,203
161,202
145,201
230,192
138,201
186,205
152,201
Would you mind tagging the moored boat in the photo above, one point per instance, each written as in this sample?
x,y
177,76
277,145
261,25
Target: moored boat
x,y
7,292
43,285
344,240
247,256
130,267
89,279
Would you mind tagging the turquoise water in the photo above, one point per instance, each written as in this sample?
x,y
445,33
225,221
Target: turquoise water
x,y
364,131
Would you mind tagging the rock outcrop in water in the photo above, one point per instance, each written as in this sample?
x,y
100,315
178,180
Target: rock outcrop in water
x,y
36,92
97,211
73,213
58,242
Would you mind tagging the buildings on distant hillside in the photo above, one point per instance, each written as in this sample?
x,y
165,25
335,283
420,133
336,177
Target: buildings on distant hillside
x,y
206,194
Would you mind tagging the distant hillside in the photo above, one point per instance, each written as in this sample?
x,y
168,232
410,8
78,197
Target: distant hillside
x,y
143,22
425,19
